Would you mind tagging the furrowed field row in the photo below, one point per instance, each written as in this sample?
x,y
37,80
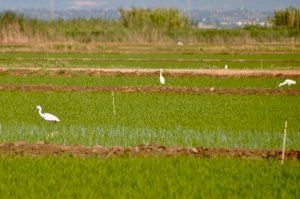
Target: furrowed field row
x,y
124,80
144,60
149,89
125,48
66,177
160,51
177,119
148,72
156,57
152,64
142,150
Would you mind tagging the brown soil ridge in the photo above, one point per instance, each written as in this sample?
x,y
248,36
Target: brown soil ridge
x,y
149,72
45,149
161,48
150,89
20,59
176,51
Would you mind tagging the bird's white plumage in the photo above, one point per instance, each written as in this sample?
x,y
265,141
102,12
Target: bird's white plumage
x,y
161,78
226,66
288,82
47,116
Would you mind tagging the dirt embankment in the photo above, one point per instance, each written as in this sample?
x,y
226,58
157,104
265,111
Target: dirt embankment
x,y
65,59
44,149
148,72
150,89
290,47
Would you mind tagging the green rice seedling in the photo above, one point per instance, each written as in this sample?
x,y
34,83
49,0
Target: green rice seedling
x,y
149,60
173,119
179,177
119,80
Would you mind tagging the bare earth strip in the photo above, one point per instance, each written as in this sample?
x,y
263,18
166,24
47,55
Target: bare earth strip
x,y
162,48
150,89
44,149
148,72
148,60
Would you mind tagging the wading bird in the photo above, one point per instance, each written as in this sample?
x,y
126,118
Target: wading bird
x,y
47,116
288,82
180,43
161,78
226,66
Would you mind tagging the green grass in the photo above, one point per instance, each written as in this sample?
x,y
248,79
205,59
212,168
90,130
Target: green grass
x,y
120,80
180,177
171,119
264,60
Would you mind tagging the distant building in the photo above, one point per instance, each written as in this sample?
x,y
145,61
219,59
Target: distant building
x,y
206,26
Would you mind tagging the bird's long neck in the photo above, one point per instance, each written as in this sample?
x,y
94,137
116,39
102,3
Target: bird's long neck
x,y
160,73
40,112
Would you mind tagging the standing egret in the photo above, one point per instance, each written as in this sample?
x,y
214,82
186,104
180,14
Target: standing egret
x,y
47,116
226,66
288,82
161,78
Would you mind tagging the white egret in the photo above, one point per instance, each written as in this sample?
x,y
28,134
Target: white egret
x,y
161,78
47,116
226,66
288,82
180,43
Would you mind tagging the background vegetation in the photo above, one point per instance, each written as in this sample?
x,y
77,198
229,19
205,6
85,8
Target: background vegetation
x,y
144,25
287,18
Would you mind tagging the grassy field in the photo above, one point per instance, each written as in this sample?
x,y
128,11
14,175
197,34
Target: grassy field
x,y
150,60
236,120
173,119
179,119
51,177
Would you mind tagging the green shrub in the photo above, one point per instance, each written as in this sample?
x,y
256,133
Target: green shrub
x,y
287,18
142,25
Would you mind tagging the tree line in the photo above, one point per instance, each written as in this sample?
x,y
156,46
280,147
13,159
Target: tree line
x,y
144,25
